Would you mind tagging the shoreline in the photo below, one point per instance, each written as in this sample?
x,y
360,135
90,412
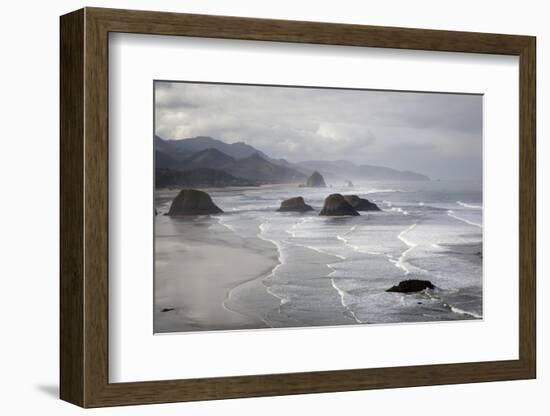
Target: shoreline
x,y
207,256
254,268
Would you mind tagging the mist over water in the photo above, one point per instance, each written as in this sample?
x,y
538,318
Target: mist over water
x,y
328,270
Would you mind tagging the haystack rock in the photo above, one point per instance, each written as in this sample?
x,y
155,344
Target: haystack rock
x,y
316,180
361,204
296,204
336,205
193,202
412,285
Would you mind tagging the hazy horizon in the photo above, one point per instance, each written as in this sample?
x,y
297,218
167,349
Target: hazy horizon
x,y
436,134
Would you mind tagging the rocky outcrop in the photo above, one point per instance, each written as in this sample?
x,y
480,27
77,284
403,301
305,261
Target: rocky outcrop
x,y
336,205
361,204
316,180
296,204
412,285
193,202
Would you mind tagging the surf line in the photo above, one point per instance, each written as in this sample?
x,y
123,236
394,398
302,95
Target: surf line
x,y
223,223
399,263
228,296
292,230
453,309
344,240
358,249
451,214
280,259
472,206
262,279
341,293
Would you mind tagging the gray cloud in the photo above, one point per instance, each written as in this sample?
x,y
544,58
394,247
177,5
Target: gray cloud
x,y
436,134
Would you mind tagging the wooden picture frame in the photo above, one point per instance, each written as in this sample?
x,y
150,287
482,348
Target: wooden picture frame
x,y
84,207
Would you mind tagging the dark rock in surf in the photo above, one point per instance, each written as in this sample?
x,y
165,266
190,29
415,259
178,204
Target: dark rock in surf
x,y
296,204
411,286
336,205
193,202
361,204
316,180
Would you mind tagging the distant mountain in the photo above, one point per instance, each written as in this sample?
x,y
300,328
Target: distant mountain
x,y
167,148
244,162
258,167
182,148
193,145
345,170
199,178
209,158
163,161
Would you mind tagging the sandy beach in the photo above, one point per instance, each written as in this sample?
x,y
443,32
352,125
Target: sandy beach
x,y
199,261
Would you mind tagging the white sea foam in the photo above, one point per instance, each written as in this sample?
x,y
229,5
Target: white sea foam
x,y
292,230
343,238
453,308
228,297
463,312
472,206
318,250
281,259
383,191
400,210
223,222
452,214
400,261
342,295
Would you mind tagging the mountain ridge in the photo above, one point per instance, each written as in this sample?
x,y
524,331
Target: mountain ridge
x,y
245,162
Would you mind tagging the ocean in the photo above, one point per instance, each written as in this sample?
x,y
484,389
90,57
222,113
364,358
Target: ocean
x,y
320,270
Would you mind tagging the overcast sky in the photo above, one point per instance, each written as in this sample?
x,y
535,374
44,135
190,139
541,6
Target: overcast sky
x,y
436,134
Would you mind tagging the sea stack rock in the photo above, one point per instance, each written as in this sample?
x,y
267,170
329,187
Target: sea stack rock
x,y
316,180
336,205
193,202
296,204
412,285
361,204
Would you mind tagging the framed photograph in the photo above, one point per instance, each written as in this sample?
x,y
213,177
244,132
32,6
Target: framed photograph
x,y
255,207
